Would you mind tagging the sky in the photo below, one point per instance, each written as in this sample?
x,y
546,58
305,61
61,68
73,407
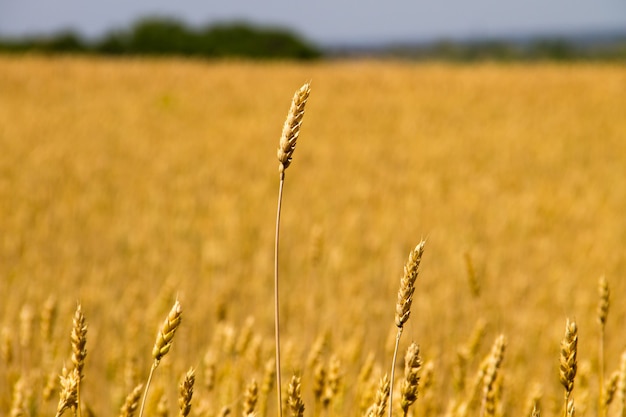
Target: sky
x,y
327,22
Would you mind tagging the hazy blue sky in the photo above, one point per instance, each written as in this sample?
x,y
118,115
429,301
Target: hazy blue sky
x,y
327,21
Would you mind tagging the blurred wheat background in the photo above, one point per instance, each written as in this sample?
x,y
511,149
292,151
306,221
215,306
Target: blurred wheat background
x,y
127,184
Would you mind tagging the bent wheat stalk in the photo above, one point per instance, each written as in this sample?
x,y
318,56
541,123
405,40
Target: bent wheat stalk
x,y
286,148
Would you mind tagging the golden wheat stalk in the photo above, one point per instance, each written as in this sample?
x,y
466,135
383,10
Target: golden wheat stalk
x,y
164,339
403,305
286,148
568,362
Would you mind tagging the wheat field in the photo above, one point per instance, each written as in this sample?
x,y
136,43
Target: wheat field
x,y
129,184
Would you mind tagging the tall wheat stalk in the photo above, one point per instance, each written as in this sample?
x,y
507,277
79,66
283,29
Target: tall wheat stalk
x,y
286,148
403,306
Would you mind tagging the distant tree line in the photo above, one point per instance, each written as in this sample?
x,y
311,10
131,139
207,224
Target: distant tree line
x,y
165,36
552,49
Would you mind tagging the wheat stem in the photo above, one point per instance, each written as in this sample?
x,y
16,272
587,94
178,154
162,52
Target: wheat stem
x,y
276,295
145,391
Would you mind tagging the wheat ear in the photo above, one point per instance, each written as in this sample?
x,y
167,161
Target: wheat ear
x,y
568,363
79,350
412,367
68,394
603,312
621,385
378,408
491,374
164,339
333,380
186,393
294,397
286,147
250,399
18,401
132,402
403,306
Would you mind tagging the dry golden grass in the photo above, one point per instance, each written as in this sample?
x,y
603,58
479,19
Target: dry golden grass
x,y
127,184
